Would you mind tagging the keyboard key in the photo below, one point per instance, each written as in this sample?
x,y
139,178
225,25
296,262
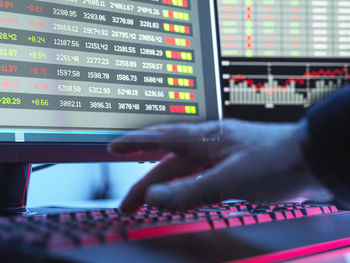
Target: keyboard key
x,y
175,217
218,224
189,216
112,236
279,216
263,218
334,209
312,211
63,218
298,213
233,209
161,219
88,240
96,215
234,222
248,220
326,210
153,232
289,215
201,214
81,216
243,207
59,242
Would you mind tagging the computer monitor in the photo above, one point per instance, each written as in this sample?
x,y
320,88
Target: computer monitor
x,y
279,57
76,74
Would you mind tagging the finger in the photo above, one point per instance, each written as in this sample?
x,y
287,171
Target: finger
x,y
170,168
191,192
171,137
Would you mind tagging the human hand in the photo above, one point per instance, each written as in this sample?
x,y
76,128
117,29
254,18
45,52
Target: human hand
x,y
250,161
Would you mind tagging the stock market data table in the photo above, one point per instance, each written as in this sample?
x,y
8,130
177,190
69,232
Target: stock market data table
x,y
282,55
92,56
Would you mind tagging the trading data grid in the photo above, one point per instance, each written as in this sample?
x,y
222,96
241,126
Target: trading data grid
x,y
280,57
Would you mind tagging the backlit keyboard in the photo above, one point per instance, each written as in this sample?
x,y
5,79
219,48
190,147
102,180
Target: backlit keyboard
x,y
65,230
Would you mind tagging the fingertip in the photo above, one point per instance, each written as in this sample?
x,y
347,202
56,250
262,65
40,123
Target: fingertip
x,y
127,209
128,212
159,195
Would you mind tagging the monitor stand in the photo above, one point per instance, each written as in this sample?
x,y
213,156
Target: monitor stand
x,y
14,180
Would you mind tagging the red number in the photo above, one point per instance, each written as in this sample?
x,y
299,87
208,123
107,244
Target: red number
x,y
38,71
8,68
35,8
6,4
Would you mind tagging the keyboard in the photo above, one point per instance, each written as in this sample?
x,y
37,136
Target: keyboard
x,y
88,228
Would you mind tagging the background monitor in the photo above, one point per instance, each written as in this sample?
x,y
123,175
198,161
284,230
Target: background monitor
x,y
279,57
76,74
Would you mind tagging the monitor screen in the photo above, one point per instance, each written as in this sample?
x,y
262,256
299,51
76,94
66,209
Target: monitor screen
x,y
279,57
86,71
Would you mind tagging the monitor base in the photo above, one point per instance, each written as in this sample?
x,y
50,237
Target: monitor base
x,y
14,180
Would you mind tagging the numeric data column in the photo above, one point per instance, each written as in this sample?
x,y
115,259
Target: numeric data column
x,y
342,28
321,24
269,28
231,26
294,29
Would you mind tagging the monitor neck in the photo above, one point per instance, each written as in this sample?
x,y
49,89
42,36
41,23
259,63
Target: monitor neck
x,y
14,180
